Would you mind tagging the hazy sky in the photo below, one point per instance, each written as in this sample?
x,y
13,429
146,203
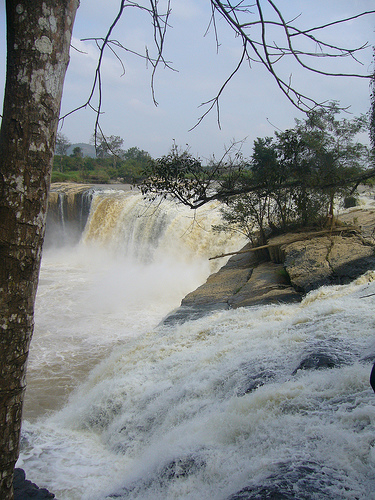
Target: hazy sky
x,y
249,104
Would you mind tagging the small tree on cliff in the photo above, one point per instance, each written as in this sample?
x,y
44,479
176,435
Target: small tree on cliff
x,y
292,179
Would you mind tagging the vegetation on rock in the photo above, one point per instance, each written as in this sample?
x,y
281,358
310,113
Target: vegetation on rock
x,y
292,180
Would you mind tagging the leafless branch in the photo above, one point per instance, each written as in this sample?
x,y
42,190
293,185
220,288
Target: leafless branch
x,y
215,101
258,48
160,25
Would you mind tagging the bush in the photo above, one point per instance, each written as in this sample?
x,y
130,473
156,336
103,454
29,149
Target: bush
x,y
98,177
66,177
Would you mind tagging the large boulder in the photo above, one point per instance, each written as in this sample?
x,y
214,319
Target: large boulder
x,y
327,260
221,286
268,284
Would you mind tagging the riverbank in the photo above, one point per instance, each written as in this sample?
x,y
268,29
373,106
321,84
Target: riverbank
x,y
287,268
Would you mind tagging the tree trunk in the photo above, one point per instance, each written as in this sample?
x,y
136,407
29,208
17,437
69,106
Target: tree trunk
x,y
38,41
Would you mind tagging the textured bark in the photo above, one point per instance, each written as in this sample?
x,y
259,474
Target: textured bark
x,y
38,41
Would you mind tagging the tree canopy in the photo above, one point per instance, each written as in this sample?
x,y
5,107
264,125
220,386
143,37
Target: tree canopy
x,y
292,178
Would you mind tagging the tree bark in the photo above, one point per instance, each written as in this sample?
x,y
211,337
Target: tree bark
x,y
38,41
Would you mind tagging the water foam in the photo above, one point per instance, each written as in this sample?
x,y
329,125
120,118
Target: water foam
x,y
206,409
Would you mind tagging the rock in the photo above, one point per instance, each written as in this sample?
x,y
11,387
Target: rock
x,y
363,218
221,286
178,468
191,313
289,267
245,280
306,263
254,380
181,467
318,361
327,260
268,284
299,481
349,258
26,490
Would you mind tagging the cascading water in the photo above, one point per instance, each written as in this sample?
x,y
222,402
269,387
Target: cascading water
x,y
233,405
68,210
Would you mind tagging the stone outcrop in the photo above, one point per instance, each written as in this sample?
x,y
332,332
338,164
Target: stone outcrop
x,y
26,490
287,268
325,260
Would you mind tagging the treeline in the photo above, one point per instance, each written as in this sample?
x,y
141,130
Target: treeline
x,y
294,179
112,164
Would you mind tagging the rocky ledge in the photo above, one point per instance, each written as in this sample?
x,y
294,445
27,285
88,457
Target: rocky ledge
x,y
287,268
26,490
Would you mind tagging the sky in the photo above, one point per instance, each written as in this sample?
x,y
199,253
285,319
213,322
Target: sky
x,y
251,105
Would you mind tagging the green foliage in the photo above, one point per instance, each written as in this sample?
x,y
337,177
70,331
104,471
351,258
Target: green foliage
x,y
75,168
298,175
178,174
77,152
108,147
98,177
62,144
246,214
292,180
71,176
350,201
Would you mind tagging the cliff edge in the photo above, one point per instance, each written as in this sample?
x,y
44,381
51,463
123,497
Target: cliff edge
x,y
287,268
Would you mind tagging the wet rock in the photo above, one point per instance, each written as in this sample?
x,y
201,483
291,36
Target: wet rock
x,y
254,381
179,468
364,219
305,481
268,284
326,261
320,360
191,313
26,490
219,287
242,282
292,265
306,263
182,467
349,258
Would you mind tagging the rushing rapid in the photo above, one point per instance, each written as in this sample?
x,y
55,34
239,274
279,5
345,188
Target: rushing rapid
x,y
239,404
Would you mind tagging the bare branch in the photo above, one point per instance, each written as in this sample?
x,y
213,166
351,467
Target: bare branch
x,y
97,78
160,25
215,101
257,48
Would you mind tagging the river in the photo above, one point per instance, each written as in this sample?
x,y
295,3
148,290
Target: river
x,y
229,406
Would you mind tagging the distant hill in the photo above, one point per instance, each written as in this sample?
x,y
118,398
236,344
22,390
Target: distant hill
x,y
87,149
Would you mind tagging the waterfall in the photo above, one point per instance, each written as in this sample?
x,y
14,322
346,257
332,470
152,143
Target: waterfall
x,y
68,210
256,402
147,231
123,222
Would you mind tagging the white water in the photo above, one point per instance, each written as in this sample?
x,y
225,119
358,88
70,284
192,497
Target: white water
x,y
163,412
